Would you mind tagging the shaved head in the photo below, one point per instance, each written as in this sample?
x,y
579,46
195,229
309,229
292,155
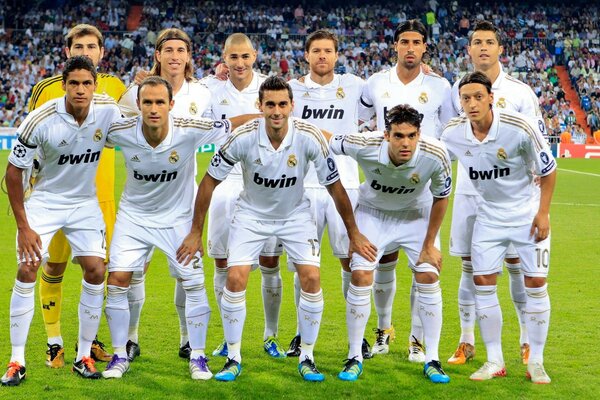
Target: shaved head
x,y
237,39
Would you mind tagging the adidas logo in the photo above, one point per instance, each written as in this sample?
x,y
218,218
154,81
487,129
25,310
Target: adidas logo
x,y
63,143
258,162
135,159
468,154
386,95
224,102
306,94
376,171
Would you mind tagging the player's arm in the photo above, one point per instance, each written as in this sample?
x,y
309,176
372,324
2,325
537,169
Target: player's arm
x,y
29,243
128,102
240,120
193,241
358,242
541,222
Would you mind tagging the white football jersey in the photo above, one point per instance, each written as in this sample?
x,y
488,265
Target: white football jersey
x,y
160,186
191,101
227,101
429,94
333,107
67,153
274,178
509,94
500,166
397,188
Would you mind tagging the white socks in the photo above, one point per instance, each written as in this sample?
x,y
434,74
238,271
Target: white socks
x,y
310,311
136,296
358,310
233,315
272,288
90,310
489,316
430,313
21,313
537,312
466,304
384,290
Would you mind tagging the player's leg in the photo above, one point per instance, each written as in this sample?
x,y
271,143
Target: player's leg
x,y
519,297
461,234
136,296
487,251
384,290
535,259
22,301
272,290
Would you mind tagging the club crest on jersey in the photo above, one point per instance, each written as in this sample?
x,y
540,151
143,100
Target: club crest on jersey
x,y
292,161
415,178
193,108
174,157
501,154
340,93
501,103
98,135
423,98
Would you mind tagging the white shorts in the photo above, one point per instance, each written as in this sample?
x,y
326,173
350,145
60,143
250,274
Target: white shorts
x,y
220,215
83,227
324,213
298,236
391,231
132,244
491,243
464,213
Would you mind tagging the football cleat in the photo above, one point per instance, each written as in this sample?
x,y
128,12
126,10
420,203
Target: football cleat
x,y
99,353
433,370
231,370
294,349
465,352
309,372
489,370
273,348
133,351
55,356
416,351
366,349
525,353
537,373
352,370
14,374
382,340
221,350
185,351
86,368
116,367
199,369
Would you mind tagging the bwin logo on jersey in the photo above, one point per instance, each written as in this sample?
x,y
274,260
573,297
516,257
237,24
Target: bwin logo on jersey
x,y
162,177
489,174
98,135
282,182
174,157
320,113
86,158
390,189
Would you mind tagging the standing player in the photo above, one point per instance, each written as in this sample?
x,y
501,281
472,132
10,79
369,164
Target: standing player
x,y
275,152
67,135
498,148
396,209
331,102
429,94
485,47
234,96
82,40
172,62
160,151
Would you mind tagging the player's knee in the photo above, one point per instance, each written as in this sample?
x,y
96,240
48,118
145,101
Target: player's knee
x,y
387,258
426,277
237,278
221,263
269,262
362,278
119,278
534,281
485,280
27,273
55,269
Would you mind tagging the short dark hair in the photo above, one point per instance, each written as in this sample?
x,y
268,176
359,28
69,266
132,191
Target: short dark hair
x,y
486,26
412,25
83,30
274,83
78,62
321,34
402,113
476,77
155,80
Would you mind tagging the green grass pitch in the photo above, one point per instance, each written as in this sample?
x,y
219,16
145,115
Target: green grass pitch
x,y
570,355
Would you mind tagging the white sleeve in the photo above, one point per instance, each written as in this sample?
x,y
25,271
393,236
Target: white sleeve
x,y
128,102
225,158
536,148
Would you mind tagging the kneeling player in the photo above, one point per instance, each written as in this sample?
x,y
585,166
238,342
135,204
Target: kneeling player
x,y
395,210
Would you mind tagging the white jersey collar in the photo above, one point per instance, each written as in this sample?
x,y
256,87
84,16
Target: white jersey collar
x,y
310,84
144,143
263,139
498,82
253,86
61,109
415,82
492,133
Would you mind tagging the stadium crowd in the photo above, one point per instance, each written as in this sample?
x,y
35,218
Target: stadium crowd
x,y
537,39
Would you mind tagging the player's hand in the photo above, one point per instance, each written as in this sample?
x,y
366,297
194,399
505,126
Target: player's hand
x,y
222,72
140,76
29,245
540,227
537,180
191,245
431,255
361,245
